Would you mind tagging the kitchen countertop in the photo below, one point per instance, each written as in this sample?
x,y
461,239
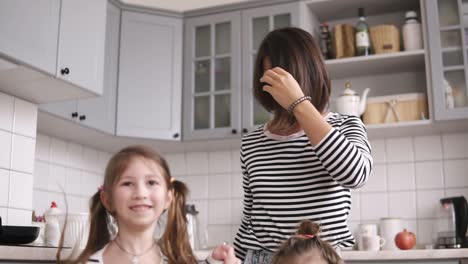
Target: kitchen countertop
x,y
27,252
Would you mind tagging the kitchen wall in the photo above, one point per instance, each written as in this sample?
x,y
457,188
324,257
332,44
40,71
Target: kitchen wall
x,y
62,165
410,175
18,120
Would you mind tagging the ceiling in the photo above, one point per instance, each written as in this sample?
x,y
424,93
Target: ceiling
x,y
181,5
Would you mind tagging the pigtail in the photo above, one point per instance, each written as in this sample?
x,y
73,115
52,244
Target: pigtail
x,y
305,245
175,243
98,233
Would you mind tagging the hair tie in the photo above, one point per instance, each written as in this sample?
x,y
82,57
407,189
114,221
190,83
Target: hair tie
x,y
172,180
101,188
305,236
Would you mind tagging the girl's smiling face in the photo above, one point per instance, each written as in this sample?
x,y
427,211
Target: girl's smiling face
x,y
140,194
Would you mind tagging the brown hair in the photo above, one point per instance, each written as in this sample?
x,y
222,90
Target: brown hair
x,y
297,52
306,246
174,242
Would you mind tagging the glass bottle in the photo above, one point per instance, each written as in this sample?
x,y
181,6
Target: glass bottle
x,y
325,41
363,45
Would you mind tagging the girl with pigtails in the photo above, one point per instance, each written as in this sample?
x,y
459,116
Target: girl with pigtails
x,y
137,189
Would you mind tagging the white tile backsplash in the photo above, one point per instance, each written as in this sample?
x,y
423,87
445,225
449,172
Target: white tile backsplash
x,y
218,186
456,173
42,147
374,206
377,181
402,204
197,163
22,154
58,152
4,187
378,151
219,162
6,112
19,217
428,202
177,163
399,149
25,118
401,176
219,211
455,145
428,148
5,150
21,195
429,174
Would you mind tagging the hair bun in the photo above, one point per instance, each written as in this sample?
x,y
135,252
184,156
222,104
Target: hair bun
x,y
307,227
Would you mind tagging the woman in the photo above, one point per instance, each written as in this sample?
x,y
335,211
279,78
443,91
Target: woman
x,y
302,164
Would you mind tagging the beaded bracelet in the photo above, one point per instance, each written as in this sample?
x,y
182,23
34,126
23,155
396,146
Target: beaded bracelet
x,y
298,101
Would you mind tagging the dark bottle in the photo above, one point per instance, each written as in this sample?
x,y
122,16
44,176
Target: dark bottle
x,y
363,45
325,41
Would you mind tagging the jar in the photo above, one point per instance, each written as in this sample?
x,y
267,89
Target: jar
x,y
412,37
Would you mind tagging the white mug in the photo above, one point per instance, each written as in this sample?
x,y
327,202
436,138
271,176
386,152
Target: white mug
x,y
389,228
368,229
372,243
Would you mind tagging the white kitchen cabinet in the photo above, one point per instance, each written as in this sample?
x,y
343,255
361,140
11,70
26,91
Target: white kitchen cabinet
x,y
56,47
150,74
448,44
218,98
98,112
212,76
256,23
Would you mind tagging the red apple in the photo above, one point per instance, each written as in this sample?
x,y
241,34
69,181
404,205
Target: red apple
x,y
405,240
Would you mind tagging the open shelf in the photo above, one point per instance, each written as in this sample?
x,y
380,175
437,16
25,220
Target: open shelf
x,y
404,61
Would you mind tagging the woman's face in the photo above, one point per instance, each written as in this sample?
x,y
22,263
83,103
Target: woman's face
x,y
140,195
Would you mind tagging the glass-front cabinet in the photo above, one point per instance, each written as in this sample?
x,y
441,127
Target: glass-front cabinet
x,y
256,23
212,76
448,43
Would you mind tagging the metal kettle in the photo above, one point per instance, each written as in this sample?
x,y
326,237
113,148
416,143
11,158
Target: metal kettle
x,y
198,236
452,223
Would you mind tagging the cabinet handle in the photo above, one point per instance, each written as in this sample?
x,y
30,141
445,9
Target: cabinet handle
x,y
176,135
65,71
245,130
234,131
82,117
74,114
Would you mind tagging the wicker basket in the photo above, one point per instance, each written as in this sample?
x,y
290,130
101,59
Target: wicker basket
x,y
396,108
343,41
385,39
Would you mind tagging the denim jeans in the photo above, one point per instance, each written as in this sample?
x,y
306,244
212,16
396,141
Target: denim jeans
x,y
258,257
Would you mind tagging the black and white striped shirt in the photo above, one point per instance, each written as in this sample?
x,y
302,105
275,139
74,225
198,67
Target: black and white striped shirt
x,y
287,180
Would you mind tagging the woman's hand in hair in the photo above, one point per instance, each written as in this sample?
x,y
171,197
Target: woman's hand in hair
x,y
226,254
282,86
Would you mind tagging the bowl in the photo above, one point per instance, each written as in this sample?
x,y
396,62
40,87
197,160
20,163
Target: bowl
x,y
14,235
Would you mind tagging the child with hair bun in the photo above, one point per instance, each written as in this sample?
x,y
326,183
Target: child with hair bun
x,y
137,189
305,247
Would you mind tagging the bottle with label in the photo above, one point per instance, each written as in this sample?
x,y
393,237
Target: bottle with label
x,y
363,45
52,227
325,41
412,37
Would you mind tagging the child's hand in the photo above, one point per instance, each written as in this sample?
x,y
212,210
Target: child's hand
x,y
282,86
225,253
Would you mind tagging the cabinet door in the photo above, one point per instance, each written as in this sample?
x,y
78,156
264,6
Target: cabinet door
x,y
65,109
448,42
81,43
99,112
23,22
149,97
256,23
212,76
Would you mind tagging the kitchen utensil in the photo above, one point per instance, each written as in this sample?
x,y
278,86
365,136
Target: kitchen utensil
x,y
196,231
77,231
12,235
389,228
349,103
452,222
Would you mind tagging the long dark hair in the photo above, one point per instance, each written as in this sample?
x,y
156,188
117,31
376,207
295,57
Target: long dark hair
x,y
306,245
297,52
174,242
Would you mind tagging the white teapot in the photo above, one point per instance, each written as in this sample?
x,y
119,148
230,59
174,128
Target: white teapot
x,y
349,103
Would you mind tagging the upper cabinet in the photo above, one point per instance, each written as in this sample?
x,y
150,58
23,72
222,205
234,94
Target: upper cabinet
x,y
98,112
448,43
54,49
150,77
219,55
256,24
212,76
